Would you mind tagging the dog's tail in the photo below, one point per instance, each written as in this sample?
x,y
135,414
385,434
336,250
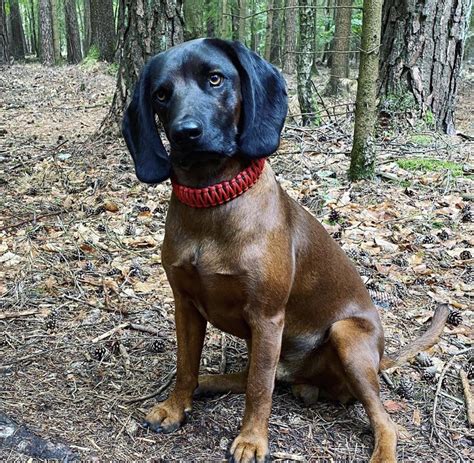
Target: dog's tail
x,y
429,338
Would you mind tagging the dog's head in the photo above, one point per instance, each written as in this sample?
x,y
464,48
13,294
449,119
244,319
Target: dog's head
x,y
214,98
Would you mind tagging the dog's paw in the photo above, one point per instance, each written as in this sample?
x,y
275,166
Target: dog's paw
x,y
249,448
167,416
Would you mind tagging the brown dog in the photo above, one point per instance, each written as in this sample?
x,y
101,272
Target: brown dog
x,y
241,254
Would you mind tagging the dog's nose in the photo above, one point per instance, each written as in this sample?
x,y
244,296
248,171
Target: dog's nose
x,y
186,131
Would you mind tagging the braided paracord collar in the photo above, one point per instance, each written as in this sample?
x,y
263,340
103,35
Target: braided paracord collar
x,y
220,193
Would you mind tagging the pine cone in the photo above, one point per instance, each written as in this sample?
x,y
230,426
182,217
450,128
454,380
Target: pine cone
x,y
101,228
158,345
51,323
406,388
467,217
443,235
337,235
130,229
424,360
465,255
143,208
113,271
454,318
429,240
429,374
334,216
99,352
135,269
89,267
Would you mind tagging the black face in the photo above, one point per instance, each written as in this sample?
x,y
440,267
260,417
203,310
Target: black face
x,y
195,90
215,98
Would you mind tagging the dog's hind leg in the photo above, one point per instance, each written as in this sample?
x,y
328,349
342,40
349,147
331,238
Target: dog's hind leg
x,y
355,342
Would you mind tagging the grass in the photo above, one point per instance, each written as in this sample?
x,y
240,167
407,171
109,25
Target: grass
x,y
430,165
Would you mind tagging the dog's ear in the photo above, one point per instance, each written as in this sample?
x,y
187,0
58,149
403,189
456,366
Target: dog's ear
x,y
151,160
264,100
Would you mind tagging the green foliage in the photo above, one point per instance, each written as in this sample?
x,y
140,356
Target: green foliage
x,y
421,139
430,165
429,119
92,57
112,69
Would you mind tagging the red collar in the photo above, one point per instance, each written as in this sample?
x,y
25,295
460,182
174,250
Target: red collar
x,y
220,193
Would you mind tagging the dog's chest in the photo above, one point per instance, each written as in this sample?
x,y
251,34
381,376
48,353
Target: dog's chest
x,y
211,279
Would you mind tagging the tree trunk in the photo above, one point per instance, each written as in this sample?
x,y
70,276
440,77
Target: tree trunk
x,y
363,151
73,39
4,44
17,45
340,48
56,33
86,41
103,28
46,32
276,36
289,55
421,54
224,25
268,30
33,31
242,19
142,39
306,94
469,46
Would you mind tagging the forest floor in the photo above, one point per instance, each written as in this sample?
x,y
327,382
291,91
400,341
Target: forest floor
x,y
86,313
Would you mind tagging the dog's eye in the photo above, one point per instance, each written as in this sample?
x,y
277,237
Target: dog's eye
x,y
161,95
215,79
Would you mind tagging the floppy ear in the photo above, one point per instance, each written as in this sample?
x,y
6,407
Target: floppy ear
x,y
264,100
139,130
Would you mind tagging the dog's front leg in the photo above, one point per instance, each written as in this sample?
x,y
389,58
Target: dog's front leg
x,y
252,442
168,416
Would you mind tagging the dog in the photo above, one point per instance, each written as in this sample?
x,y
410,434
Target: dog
x,y
241,254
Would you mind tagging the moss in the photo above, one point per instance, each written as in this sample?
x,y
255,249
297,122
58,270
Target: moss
x,y
396,103
430,165
420,139
92,57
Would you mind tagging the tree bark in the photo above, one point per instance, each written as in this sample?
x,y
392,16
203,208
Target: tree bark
x,y
242,19
141,40
103,28
276,33
56,33
33,30
306,94
46,32
363,151
289,55
17,46
421,54
340,48
4,44
268,29
73,39
86,41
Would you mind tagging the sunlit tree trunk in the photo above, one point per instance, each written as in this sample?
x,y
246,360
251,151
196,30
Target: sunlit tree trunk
x,y
306,94
46,32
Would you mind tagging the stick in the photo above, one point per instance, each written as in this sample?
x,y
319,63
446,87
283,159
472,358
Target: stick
x,y
466,387
109,333
96,306
166,383
32,219
435,403
145,329
5,315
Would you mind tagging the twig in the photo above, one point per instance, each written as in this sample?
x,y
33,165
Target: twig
x,y
145,329
165,384
32,219
288,456
387,379
223,362
466,387
25,313
109,333
437,394
97,306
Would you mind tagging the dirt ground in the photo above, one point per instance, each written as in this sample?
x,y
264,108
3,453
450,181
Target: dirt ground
x,y
86,314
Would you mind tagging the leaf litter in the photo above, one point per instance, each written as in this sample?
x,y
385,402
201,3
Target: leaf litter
x,y
86,313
